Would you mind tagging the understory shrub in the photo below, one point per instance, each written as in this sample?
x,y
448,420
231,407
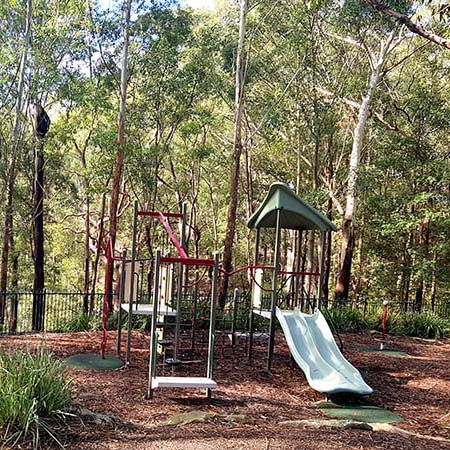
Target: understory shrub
x,y
34,397
374,321
347,319
78,323
424,325
138,323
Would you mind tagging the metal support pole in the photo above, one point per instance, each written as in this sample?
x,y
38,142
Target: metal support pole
x,y
132,268
212,322
322,269
121,295
233,319
194,308
274,290
251,316
298,258
153,332
180,285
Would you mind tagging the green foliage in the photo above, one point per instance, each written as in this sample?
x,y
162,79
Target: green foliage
x,y
34,396
424,325
139,323
374,321
347,320
78,323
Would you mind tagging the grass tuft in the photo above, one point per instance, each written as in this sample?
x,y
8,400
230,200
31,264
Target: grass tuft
x,y
347,320
80,322
425,325
34,397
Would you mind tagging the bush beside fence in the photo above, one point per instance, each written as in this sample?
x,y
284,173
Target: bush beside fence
x,y
65,312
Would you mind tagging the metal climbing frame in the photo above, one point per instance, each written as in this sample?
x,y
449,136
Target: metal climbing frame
x,y
179,245
161,263
183,382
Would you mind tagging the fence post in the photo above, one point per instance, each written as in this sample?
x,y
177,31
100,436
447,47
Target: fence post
x,y
14,313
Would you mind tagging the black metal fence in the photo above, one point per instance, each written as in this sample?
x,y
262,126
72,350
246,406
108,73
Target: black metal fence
x,y
59,308
440,307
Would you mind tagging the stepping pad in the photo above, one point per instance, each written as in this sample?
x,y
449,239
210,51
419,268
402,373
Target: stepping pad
x,y
204,416
395,353
340,424
367,414
93,361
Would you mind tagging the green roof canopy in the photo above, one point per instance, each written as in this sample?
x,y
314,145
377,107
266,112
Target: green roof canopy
x,y
296,214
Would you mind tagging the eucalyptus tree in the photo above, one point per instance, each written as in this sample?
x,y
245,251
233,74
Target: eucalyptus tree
x,y
14,140
237,147
407,184
174,70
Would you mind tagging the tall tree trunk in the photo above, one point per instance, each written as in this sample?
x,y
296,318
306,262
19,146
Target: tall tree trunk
x,y
114,202
16,137
7,234
100,234
424,244
87,256
327,261
237,150
14,313
38,250
250,205
433,284
348,229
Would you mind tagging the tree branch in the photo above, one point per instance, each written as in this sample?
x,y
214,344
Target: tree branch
x,y
405,20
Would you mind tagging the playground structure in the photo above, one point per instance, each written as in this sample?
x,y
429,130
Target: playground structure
x,y
309,337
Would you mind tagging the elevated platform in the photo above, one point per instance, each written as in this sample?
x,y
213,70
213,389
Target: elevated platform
x,y
147,310
183,382
262,312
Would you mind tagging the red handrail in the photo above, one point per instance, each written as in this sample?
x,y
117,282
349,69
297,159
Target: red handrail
x,y
172,236
299,273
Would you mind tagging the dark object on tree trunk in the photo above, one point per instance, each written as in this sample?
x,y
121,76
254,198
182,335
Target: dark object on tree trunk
x,y
41,120
41,123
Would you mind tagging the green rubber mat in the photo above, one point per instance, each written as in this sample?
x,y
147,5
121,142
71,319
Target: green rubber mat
x,y
382,352
368,414
94,361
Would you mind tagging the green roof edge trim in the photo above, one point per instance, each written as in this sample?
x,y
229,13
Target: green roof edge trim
x,y
296,213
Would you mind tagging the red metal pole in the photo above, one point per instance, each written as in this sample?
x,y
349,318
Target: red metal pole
x,y
108,276
384,323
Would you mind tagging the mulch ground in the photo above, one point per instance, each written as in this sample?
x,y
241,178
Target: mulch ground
x,y
416,387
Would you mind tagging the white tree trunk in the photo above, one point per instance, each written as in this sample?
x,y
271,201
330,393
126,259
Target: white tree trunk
x,y
348,233
358,134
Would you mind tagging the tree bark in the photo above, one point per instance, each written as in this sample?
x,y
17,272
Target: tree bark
x,y
405,20
38,250
118,169
16,137
98,252
237,150
348,229
87,257
424,244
